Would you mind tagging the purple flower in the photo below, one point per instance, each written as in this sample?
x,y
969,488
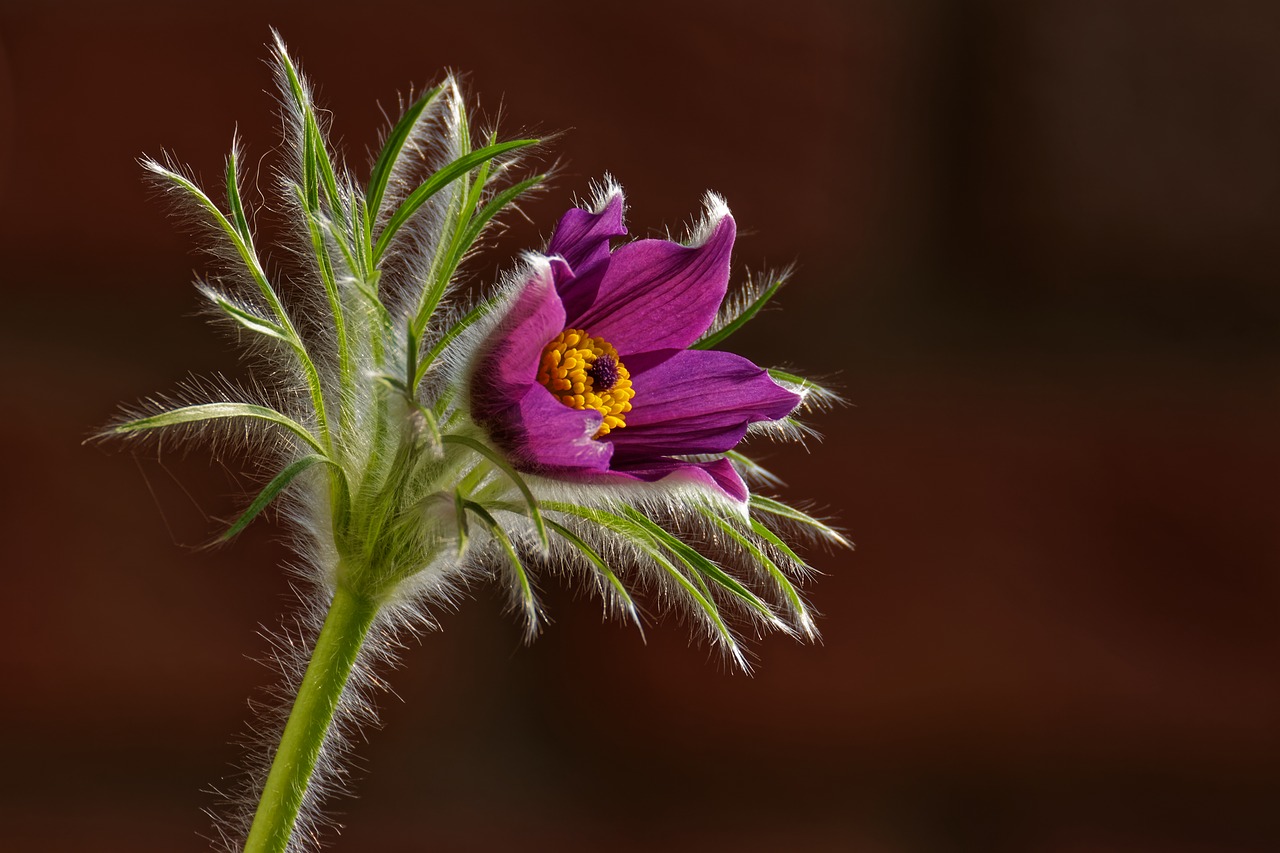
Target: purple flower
x,y
589,378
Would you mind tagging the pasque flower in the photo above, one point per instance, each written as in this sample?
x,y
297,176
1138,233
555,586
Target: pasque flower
x,y
575,420
591,377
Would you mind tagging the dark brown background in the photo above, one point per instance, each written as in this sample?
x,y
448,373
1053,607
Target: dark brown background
x,y
1038,249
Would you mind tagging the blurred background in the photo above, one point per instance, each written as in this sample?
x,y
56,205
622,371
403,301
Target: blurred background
x,y
1037,249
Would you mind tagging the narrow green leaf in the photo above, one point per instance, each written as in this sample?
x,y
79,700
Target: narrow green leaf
x,y
712,339
353,261
527,599
629,529
339,496
449,252
233,197
783,376
700,579
391,151
346,369
379,308
430,421
780,509
325,265
251,321
411,347
773,539
690,556
784,583
310,181
317,167
638,537
251,262
435,438
754,468
183,182
505,467
463,124
460,509
277,485
321,153
393,382
437,182
602,567
245,250
816,396
362,236
449,337
496,206
467,238
218,411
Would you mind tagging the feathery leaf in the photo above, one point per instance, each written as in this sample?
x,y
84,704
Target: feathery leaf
x,y
217,411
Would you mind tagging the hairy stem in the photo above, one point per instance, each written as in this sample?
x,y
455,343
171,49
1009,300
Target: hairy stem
x,y
345,628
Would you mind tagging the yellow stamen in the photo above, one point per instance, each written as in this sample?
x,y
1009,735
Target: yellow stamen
x,y
568,370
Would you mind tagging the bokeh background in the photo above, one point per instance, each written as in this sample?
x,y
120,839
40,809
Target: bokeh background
x,y
1038,250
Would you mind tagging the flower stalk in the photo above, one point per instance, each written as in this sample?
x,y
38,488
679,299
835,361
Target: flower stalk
x,y
343,634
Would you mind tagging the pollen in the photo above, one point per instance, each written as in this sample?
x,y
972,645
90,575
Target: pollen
x,y
585,373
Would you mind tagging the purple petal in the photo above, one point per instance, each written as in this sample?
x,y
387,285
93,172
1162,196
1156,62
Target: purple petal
x,y
698,401
719,474
638,363
542,434
582,239
511,362
657,294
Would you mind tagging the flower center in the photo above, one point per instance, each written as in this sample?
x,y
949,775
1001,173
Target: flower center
x,y
585,373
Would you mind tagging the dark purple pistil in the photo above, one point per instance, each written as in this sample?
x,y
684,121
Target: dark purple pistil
x,y
604,373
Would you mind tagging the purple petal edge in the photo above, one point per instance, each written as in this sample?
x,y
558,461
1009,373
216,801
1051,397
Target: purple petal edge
x,y
698,401
582,239
718,474
510,363
657,294
556,439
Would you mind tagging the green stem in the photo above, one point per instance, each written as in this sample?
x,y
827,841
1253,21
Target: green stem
x,y
345,628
